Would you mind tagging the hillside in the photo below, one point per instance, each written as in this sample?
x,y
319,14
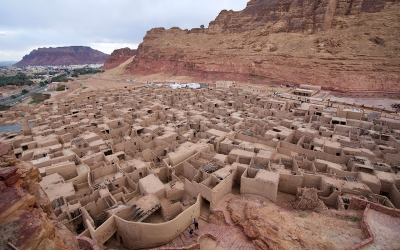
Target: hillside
x,y
73,55
117,57
340,45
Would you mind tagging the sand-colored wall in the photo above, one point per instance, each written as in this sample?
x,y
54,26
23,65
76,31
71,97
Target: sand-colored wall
x,y
136,235
222,188
178,158
104,232
66,170
289,183
311,181
319,155
394,196
260,187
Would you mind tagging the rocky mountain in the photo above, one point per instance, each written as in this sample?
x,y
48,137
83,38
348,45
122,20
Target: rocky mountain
x,y
345,45
117,57
27,220
73,55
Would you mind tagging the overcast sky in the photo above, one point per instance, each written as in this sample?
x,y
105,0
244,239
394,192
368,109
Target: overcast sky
x,y
101,24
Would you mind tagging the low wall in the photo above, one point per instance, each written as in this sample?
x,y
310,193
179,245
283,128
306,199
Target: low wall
x,y
366,230
136,235
359,204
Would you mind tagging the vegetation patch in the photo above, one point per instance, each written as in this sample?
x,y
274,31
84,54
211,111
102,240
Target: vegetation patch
x,y
39,97
60,78
86,71
60,88
4,107
354,219
303,214
19,79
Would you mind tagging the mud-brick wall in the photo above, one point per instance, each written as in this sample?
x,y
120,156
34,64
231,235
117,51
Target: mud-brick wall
x,y
394,195
289,183
172,211
174,194
392,159
260,187
311,181
223,188
192,188
360,204
104,232
136,235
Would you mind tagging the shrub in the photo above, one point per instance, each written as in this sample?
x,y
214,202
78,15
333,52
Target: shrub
x,y
303,214
354,219
60,87
24,92
39,97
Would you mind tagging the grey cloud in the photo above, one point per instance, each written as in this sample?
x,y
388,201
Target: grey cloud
x,y
42,23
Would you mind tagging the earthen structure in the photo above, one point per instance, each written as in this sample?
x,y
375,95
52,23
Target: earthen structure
x,y
137,165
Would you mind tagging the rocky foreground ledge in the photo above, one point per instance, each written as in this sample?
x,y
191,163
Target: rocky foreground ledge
x,y
27,220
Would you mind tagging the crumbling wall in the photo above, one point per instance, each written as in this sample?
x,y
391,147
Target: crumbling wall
x,y
307,199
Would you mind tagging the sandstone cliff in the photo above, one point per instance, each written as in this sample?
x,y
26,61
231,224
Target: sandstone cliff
x,y
27,220
338,44
117,57
73,55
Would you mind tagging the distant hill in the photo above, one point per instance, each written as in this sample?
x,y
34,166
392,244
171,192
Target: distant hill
x,y
117,57
62,56
6,63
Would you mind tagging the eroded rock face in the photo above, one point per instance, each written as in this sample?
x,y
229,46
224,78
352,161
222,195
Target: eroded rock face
x,y
117,57
291,15
27,220
73,55
331,43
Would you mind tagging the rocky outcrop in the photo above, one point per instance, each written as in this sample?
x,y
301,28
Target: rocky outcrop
x,y
117,57
73,55
340,45
27,220
292,15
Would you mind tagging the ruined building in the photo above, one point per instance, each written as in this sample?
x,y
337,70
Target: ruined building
x,y
137,165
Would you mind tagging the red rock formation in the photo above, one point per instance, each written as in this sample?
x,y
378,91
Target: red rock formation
x,y
27,220
117,57
73,55
331,43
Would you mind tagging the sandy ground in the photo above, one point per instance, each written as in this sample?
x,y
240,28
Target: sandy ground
x,y
116,78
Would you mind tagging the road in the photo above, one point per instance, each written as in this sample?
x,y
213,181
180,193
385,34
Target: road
x,y
8,101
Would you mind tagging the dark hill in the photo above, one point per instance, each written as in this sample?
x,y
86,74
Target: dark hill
x,y
72,55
